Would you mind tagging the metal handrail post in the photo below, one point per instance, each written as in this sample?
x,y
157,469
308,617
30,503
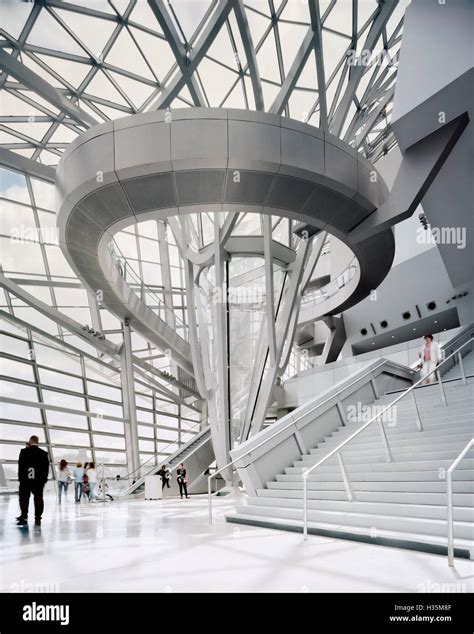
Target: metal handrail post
x,y
449,491
417,412
461,367
443,395
385,439
305,505
449,485
209,498
345,477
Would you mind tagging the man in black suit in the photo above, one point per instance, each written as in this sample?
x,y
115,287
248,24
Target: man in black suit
x,y
33,468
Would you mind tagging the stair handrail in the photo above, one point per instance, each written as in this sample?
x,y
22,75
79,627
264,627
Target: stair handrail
x,y
449,493
338,449
291,423
160,464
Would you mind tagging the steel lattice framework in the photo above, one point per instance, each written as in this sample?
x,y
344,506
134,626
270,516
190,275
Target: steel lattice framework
x,y
69,65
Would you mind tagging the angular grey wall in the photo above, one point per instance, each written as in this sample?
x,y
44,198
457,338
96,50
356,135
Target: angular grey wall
x,y
434,86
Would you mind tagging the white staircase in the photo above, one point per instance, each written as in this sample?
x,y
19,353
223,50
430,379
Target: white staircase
x,y
400,503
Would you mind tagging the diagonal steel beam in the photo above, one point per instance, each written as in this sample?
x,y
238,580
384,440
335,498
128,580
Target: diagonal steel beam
x,y
250,54
41,87
294,73
372,118
357,71
315,16
194,58
179,50
26,166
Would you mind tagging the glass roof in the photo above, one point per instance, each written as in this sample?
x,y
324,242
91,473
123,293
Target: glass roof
x,y
330,63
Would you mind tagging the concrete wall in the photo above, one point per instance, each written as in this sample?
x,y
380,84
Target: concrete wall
x,y
308,384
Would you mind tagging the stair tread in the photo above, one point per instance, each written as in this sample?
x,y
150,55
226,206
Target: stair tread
x,y
379,516
406,497
436,539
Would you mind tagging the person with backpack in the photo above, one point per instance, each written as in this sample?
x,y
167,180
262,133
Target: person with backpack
x,y
33,469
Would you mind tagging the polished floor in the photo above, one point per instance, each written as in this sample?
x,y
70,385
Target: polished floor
x,y
168,546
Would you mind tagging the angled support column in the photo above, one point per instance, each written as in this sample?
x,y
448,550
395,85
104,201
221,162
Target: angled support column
x,y
172,37
41,87
420,165
269,287
285,329
386,8
19,163
129,403
250,54
223,433
336,340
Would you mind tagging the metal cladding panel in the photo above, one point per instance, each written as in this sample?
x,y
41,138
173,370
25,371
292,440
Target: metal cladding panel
x,y
327,205
147,146
290,193
91,161
250,188
200,186
83,233
86,136
341,167
371,190
198,143
251,142
302,151
105,206
87,264
150,192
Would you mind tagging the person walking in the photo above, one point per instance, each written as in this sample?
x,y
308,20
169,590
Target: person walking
x,y
430,357
64,479
182,481
164,473
91,474
78,474
33,468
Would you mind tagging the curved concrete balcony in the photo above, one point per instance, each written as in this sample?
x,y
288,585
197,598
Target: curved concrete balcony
x,y
168,163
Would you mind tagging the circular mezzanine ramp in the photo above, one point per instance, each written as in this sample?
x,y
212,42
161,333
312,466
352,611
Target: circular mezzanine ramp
x,y
167,163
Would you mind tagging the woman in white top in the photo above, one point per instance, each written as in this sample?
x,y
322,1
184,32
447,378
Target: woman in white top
x,y
430,357
64,478
91,473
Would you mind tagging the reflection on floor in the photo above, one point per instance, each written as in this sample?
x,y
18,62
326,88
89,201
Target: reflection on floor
x,y
168,546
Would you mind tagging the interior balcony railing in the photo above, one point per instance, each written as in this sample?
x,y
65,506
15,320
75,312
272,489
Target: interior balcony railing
x,y
333,287
145,293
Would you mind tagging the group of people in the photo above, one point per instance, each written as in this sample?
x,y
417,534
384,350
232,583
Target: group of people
x,y
181,478
84,476
33,469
